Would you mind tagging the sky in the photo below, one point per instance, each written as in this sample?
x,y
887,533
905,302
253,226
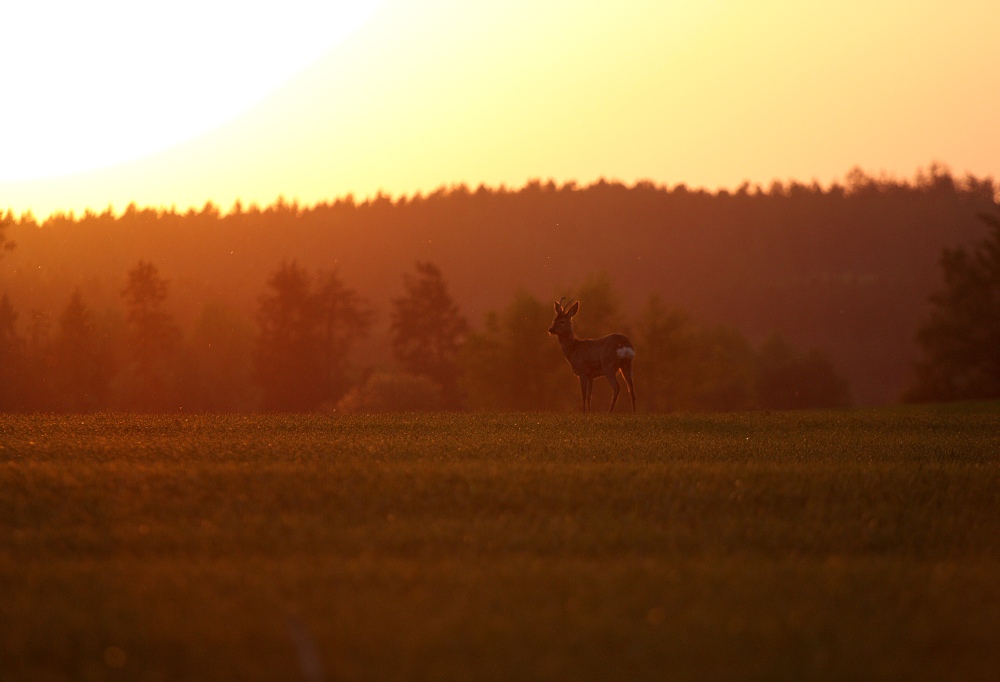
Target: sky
x,y
174,104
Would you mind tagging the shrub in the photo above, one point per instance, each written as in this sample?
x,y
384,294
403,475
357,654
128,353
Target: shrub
x,y
393,392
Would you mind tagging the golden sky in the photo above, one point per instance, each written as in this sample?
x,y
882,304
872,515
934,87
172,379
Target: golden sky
x,y
200,100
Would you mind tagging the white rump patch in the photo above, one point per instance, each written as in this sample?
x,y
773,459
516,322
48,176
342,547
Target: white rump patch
x,y
625,352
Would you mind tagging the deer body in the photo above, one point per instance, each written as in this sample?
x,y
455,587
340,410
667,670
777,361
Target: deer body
x,y
592,358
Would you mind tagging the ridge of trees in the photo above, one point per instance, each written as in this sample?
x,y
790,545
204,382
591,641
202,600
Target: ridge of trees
x,y
298,358
846,269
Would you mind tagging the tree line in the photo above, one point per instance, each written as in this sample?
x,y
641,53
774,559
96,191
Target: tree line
x,y
846,269
296,354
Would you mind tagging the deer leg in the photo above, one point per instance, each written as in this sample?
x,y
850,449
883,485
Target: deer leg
x,y
615,389
627,373
585,384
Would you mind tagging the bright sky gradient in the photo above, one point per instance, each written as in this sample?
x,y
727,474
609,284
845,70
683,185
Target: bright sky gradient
x,y
409,95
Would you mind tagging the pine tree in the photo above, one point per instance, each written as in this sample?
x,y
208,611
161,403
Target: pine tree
x,y
80,366
306,331
427,330
344,318
153,342
288,347
512,364
6,221
11,359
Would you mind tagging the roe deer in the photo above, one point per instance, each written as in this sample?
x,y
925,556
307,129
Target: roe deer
x,y
592,358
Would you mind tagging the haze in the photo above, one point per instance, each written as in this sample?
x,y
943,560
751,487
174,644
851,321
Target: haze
x,y
442,92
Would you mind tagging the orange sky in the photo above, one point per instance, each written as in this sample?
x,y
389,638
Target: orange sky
x,y
430,93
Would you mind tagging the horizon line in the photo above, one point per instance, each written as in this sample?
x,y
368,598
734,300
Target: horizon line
x,y
921,176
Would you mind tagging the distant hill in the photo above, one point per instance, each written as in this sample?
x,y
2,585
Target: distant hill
x,y
845,269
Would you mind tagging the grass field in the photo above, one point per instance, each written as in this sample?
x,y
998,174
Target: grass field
x,y
786,546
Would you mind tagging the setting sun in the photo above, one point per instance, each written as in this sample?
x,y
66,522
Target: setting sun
x,y
114,103
105,82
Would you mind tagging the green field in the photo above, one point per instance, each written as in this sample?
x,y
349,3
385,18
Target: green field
x,y
787,546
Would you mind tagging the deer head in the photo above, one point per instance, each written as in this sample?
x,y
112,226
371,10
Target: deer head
x,y
563,321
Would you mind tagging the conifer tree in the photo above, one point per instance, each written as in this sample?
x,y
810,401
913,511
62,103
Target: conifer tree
x,y
80,366
288,352
512,364
306,331
11,358
427,330
5,244
344,318
153,342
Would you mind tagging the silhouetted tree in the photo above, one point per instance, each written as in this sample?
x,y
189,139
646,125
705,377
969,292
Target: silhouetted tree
x,y
11,358
11,350
344,320
787,379
603,305
152,343
727,383
306,333
218,369
690,366
960,341
665,345
288,357
388,392
513,364
6,221
80,364
38,393
427,330
845,268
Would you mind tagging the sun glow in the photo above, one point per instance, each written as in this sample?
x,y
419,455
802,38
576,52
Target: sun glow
x,y
101,82
110,102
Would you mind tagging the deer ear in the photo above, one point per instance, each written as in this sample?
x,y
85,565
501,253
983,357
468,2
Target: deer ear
x,y
573,309
558,308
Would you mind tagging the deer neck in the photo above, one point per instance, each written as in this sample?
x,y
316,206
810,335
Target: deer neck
x,y
568,341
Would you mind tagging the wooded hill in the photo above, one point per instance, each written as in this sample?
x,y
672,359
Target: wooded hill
x,y
845,269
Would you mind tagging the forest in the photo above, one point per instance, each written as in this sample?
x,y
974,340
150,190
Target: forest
x,y
787,296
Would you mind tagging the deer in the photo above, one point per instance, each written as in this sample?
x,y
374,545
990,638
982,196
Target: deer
x,y
592,358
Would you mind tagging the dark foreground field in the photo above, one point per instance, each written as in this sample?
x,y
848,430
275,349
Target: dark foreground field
x,y
846,545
